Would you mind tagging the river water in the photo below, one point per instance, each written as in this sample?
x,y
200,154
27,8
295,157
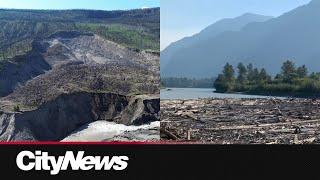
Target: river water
x,y
106,131
195,93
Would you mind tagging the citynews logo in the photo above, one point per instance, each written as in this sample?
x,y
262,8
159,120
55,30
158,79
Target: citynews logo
x,y
42,161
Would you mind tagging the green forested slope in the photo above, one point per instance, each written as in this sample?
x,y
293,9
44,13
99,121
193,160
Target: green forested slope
x,y
134,28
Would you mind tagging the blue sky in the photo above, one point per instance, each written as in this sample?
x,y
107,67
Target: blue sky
x,y
180,18
79,4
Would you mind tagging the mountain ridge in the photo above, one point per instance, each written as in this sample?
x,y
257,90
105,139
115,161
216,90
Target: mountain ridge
x,y
226,24
291,36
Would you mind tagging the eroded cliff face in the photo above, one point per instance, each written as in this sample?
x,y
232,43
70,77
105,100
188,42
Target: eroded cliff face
x,y
54,120
140,110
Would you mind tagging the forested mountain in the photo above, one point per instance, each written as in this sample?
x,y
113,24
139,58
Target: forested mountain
x,y
293,36
138,29
224,25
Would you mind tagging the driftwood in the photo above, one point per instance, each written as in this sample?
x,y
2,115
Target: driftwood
x,y
269,120
188,135
169,134
260,126
251,121
276,131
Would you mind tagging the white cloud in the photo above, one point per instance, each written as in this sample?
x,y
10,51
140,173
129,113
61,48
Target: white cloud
x,y
144,7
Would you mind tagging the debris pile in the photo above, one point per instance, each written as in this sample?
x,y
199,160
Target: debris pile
x,y
241,121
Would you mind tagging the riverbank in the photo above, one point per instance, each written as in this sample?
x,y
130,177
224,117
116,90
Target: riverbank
x,y
241,121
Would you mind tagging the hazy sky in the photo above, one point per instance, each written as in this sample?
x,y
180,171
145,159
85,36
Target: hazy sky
x,y
79,4
181,18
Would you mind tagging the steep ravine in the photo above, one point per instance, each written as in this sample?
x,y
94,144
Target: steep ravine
x,y
55,119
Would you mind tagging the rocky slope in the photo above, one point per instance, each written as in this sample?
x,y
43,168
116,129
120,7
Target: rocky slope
x,y
18,70
70,79
71,48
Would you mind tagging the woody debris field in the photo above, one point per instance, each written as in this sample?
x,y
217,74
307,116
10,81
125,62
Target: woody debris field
x,y
241,121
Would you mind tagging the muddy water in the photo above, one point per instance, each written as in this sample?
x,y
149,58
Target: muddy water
x,y
107,131
194,93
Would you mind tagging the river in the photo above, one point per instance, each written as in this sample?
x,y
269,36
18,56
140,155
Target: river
x,y
108,131
195,93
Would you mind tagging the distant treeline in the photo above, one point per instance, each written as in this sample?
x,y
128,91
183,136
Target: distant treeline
x,y
291,80
187,82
